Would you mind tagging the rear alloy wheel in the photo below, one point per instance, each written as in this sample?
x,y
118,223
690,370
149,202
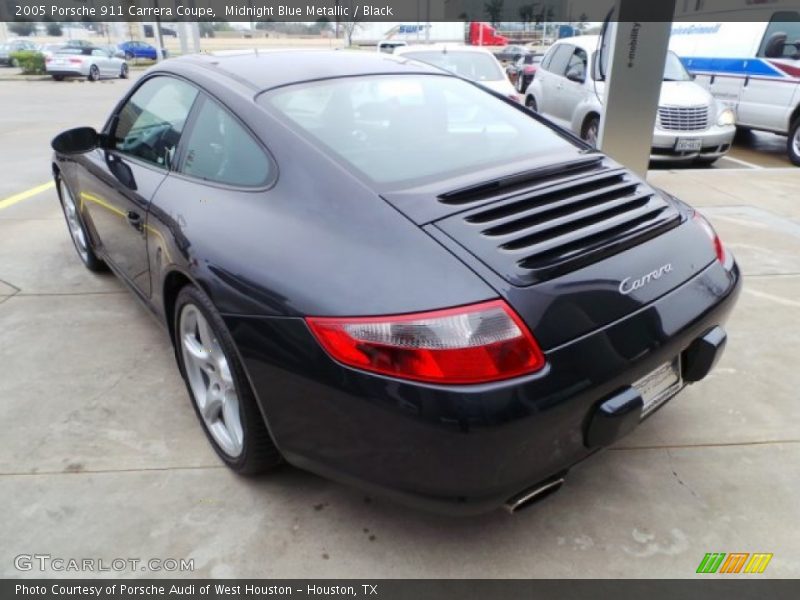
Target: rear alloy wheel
x,y
123,71
80,238
591,131
94,73
530,104
58,77
220,392
793,143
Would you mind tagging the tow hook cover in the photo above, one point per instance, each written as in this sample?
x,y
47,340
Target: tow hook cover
x,y
703,353
614,418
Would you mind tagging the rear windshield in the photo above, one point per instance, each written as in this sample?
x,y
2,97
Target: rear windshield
x,y
412,127
475,66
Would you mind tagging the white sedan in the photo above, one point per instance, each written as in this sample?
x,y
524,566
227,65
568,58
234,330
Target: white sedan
x,y
470,62
92,63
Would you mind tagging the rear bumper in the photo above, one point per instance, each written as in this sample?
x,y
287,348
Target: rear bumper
x,y
465,449
65,72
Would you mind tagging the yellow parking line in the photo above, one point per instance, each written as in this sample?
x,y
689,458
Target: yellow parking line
x,y
11,200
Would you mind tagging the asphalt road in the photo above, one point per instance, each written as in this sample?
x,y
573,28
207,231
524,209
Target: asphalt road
x,y
101,454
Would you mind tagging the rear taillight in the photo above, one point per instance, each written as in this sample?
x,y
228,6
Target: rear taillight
x,y
470,344
515,98
719,248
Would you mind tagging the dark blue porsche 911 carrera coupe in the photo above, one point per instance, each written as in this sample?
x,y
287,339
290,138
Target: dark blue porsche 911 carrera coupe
x,y
380,272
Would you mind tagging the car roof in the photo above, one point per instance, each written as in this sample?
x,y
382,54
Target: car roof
x,y
442,47
586,42
260,70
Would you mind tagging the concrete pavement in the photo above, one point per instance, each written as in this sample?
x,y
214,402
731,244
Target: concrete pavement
x,y
102,456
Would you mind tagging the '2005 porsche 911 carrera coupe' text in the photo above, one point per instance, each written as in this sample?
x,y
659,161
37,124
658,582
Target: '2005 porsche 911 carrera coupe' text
x,y
382,273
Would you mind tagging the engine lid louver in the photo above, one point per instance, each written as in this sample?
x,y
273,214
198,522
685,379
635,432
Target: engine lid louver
x,y
540,227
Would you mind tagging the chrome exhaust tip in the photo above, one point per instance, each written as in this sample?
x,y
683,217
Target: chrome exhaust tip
x,y
534,494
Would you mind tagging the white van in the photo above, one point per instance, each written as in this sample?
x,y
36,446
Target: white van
x,y
754,67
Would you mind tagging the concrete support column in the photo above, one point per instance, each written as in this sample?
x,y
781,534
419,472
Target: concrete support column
x,y
635,67
195,26
183,35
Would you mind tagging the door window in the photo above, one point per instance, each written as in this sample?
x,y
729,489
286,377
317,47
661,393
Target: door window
x,y
150,123
219,149
561,58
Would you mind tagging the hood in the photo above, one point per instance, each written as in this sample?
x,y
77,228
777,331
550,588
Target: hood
x,y
683,94
501,86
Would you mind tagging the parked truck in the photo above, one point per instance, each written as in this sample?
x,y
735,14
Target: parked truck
x,y
472,33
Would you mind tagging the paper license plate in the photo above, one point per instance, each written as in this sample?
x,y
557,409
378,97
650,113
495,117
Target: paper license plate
x,y
688,144
659,385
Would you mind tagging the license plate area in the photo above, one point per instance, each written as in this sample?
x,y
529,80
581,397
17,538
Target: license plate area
x,y
688,144
659,385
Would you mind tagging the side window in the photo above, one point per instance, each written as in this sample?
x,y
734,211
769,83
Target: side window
x,y
548,57
576,67
98,52
150,123
219,149
558,64
782,37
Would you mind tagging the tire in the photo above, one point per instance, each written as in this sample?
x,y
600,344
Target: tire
x,y
793,143
94,73
77,229
590,130
218,387
530,104
58,77
123,71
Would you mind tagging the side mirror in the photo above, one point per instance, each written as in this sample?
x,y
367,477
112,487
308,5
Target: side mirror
x,y
76,141
693,76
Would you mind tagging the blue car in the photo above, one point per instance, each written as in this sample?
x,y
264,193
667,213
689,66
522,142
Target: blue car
x,y
135,49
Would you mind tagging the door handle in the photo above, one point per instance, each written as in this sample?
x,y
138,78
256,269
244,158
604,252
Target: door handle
x,y
135,220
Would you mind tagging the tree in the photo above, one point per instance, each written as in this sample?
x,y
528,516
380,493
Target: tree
x,y
22,28
320,26
526,14
350,27
54,29
494,9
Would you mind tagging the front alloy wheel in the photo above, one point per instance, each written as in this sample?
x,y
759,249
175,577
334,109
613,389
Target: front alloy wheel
x,y
94,73
77,231
220,392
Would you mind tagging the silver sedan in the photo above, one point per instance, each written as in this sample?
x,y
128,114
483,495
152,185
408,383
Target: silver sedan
x,y
92,63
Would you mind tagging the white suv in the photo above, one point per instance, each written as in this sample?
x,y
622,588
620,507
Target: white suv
x,y
690,126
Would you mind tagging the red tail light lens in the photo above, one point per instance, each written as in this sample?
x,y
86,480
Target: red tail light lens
x,y
471,344
719,248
